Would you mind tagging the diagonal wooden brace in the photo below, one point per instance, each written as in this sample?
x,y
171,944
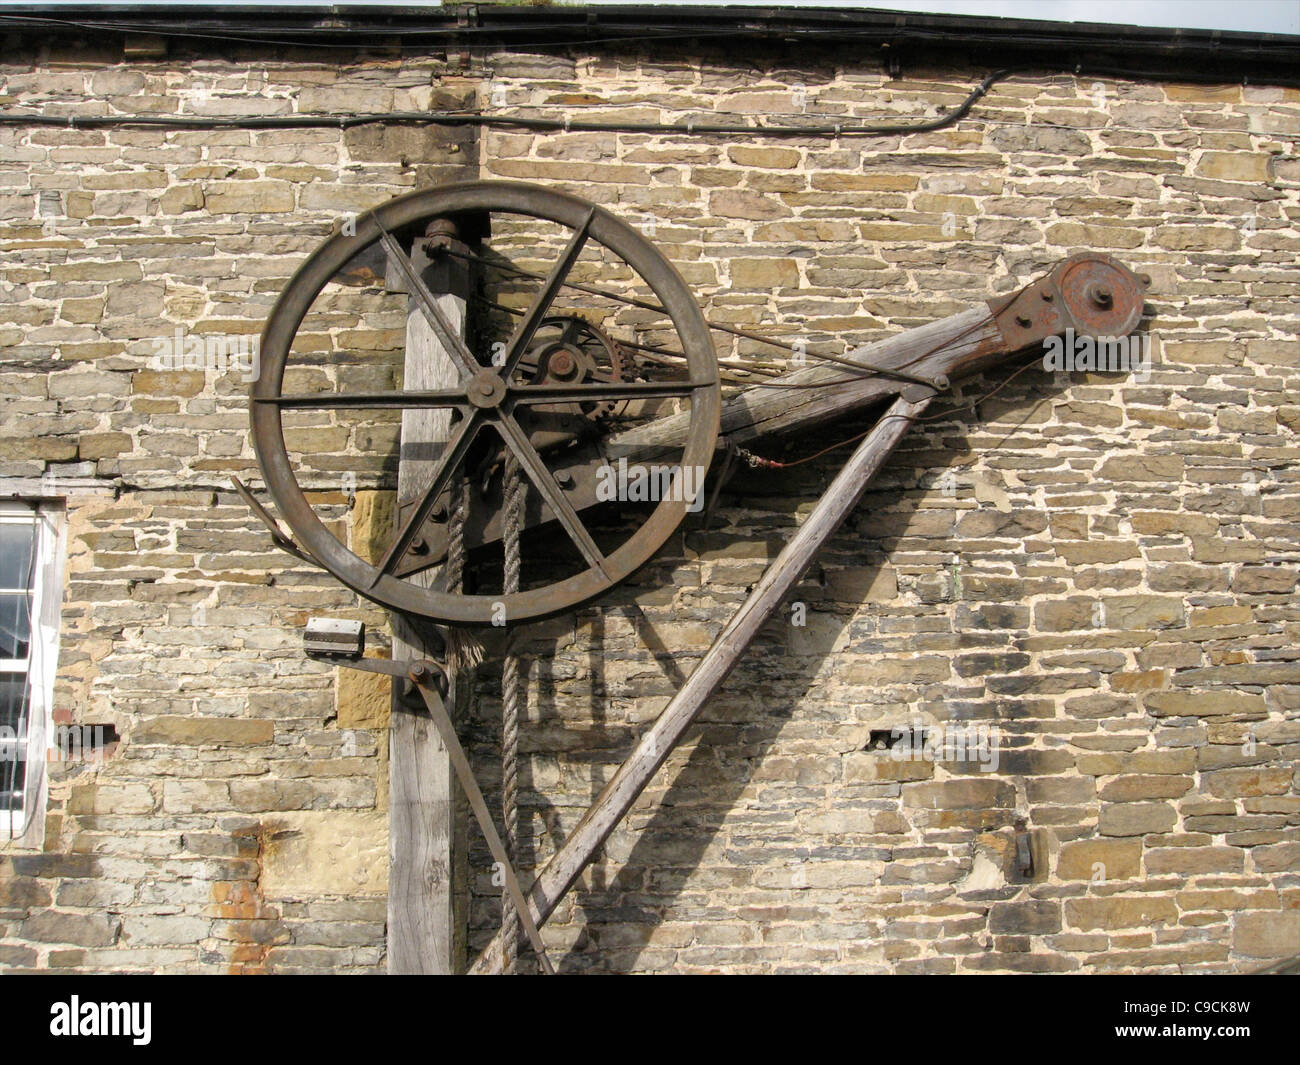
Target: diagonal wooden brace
x,y
429,680
721,658
421,675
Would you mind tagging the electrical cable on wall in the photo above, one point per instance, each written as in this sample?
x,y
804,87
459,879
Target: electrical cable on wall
x,y
477,119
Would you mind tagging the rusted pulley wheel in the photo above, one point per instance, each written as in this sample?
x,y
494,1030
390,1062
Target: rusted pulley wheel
x,y
496,404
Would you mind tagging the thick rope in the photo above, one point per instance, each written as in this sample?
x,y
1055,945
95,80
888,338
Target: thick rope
x,y
464,651
511,699
454,568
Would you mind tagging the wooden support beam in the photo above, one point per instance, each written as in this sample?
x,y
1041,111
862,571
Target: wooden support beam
x,y
427,886
788,405
653,749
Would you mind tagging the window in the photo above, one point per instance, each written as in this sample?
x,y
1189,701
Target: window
x,y
29,631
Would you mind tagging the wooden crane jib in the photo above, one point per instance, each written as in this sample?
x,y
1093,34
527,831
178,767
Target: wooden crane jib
x,y
1090,294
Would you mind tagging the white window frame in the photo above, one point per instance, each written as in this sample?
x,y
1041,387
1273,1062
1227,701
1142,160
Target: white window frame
x,y
26,827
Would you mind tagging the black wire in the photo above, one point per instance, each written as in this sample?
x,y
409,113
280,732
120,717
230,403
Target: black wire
x,y
477,119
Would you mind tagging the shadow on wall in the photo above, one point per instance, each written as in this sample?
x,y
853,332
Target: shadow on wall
x,y
732,738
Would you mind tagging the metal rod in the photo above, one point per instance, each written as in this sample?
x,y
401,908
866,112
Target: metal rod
x,y
518,344
450,339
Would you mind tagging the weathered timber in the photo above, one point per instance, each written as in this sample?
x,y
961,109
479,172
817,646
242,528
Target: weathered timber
x,y
426,901
943,347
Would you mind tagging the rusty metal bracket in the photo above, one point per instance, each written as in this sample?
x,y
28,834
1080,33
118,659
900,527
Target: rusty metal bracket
x,y
278,536
1091,294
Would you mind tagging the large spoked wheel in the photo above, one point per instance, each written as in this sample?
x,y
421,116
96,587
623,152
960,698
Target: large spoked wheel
x,y
498,399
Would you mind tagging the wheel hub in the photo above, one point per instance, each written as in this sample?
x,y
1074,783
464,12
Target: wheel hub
x,y
486,390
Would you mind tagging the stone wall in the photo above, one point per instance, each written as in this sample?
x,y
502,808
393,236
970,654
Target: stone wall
x,y
1100,567
241,824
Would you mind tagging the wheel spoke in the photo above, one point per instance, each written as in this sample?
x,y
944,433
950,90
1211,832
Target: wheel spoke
x,y
517,440
419,291
533,318
590,290
629,301
452,456
600,390
330,400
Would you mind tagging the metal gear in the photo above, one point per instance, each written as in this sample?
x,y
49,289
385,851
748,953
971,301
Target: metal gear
x,y
569,349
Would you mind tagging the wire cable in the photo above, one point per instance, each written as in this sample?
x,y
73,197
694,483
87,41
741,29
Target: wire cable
x,y
479,119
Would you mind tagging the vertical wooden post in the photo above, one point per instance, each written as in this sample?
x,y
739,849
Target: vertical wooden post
x,y
427,890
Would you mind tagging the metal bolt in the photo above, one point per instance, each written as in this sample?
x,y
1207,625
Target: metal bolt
x,y
485,388
439,513
419,546
1102,297
564,479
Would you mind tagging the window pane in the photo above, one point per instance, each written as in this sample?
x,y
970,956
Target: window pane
x,y
16,554
13,708
13,704
13,776
15,625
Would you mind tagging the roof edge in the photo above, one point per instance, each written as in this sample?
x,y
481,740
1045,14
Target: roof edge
x,y
1031,42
